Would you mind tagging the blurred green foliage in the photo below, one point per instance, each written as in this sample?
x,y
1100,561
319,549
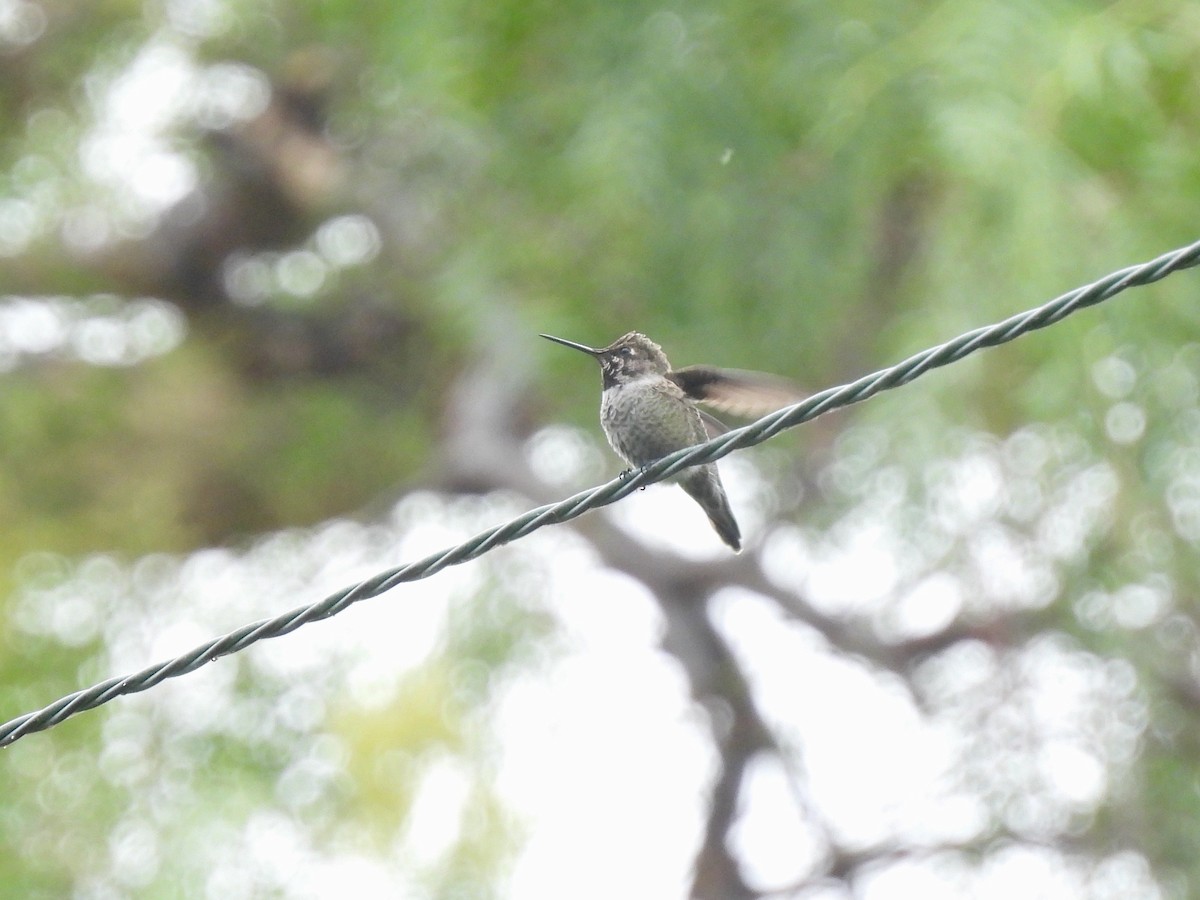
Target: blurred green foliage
x,y
808,188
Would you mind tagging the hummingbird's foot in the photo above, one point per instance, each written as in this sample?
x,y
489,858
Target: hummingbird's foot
x,y
630,472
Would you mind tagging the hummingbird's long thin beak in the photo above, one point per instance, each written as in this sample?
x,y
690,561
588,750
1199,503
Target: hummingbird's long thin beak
x,y
583,348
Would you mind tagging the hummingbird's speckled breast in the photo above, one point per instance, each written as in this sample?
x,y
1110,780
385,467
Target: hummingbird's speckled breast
x,y
647,418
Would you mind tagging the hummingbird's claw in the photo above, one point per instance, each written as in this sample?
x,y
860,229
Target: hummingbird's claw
x,y
630,472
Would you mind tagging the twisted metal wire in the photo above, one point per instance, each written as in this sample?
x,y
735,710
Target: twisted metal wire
x,y
762,430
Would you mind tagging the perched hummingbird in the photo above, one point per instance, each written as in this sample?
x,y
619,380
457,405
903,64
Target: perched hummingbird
x,y
648,410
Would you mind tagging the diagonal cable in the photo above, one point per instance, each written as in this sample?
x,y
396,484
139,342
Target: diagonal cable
x,y
765,428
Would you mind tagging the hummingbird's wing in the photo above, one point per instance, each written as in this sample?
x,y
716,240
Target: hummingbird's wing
x,y
700,424
736,391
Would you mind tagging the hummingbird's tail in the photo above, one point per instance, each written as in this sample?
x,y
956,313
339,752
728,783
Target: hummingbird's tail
x,y
703,485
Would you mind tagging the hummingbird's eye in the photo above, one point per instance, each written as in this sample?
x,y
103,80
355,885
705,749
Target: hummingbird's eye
x,y
627,351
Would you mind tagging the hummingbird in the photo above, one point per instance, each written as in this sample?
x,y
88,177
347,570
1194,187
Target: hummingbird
x,y
648,409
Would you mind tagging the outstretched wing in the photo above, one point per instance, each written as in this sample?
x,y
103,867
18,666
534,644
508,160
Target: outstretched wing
x,y
736,391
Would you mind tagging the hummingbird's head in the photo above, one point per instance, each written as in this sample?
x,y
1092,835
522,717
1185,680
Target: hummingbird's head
x,y
626,359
